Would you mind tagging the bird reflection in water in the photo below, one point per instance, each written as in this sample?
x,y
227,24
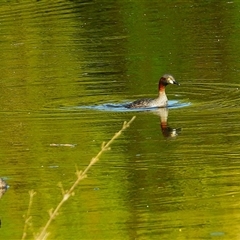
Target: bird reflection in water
x,y
168,132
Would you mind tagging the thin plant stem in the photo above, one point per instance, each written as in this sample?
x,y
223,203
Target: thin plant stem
x,y
80,175
27,217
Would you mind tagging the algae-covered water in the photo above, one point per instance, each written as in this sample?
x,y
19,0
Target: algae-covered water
x,y
67,66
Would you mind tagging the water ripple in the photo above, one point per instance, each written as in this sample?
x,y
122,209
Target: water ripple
x,y
117,107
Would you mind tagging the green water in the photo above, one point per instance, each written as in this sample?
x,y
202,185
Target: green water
x,y
173,174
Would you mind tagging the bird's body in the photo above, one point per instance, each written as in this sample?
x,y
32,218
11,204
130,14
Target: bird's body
x,y
161,100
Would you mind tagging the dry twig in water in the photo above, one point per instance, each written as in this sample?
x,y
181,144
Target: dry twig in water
x,y
27,217
80,175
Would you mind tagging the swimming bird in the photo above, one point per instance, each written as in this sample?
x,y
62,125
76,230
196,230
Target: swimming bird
x,y
161,100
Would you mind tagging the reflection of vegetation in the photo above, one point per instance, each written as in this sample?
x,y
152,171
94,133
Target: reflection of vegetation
x,y
68,193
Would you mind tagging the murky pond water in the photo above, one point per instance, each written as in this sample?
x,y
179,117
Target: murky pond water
x,y
67,66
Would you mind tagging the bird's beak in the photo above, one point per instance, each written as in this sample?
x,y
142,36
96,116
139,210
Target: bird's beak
x,y
175,82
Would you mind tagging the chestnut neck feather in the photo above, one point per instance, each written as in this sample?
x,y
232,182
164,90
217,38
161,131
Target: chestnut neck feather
x,y
161,86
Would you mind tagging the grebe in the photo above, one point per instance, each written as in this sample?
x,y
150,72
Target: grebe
x,y
161,100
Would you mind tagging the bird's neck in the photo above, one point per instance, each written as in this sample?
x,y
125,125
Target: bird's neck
x,y
161,86
161,90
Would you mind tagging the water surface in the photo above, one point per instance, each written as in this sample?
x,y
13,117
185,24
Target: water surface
x,y
174,174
